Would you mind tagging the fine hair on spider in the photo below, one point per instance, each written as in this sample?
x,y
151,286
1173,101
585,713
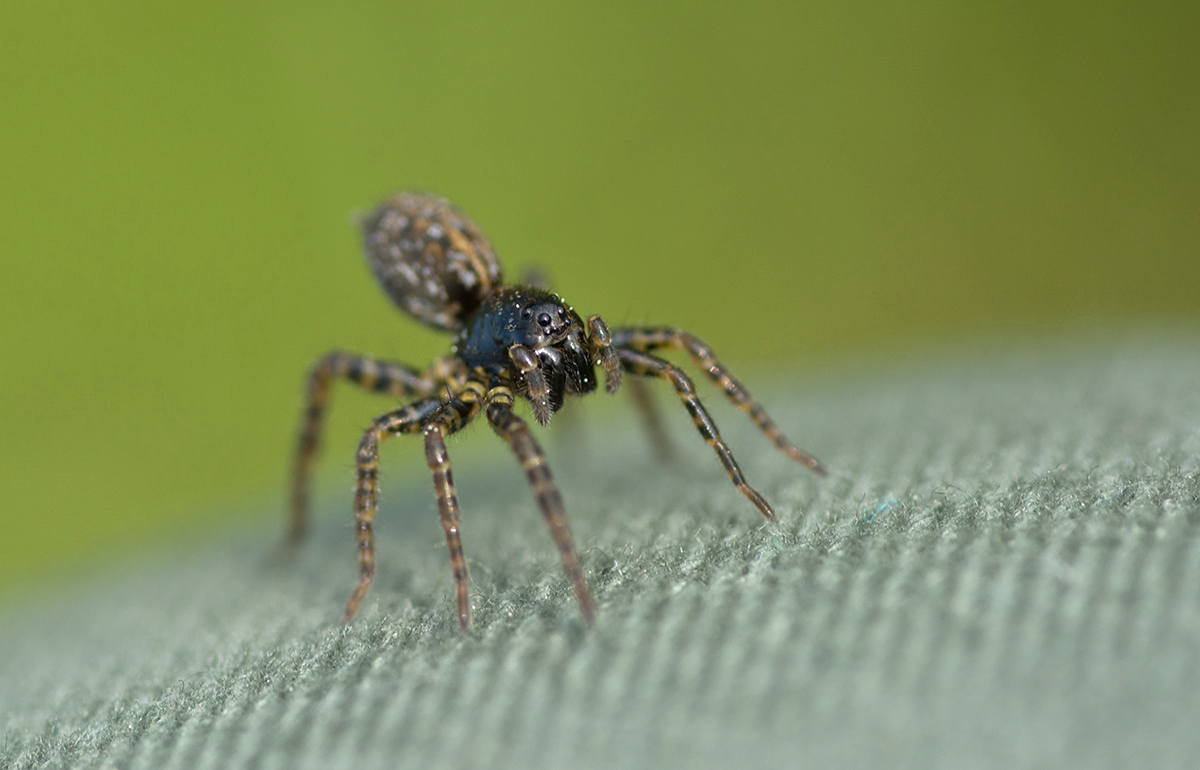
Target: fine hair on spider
x,y
510,342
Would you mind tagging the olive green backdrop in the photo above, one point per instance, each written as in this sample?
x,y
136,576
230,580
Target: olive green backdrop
x,y
793,181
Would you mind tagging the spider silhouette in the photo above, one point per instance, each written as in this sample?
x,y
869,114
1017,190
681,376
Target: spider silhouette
x,y
510,342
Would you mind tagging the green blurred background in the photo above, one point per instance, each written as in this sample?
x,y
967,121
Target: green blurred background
x,y
793,181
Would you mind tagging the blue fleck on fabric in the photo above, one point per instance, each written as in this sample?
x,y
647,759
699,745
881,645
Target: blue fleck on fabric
x,y
1002,570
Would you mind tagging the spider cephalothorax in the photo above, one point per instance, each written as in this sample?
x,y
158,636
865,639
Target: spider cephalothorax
x,y
510,341
535,339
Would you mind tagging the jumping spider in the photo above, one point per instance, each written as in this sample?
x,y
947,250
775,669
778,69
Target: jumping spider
x,y
510,342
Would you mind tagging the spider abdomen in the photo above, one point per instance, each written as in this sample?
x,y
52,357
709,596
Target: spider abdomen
x,y
431,259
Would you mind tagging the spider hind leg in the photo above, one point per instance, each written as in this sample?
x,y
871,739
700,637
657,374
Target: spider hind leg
x,y
385,377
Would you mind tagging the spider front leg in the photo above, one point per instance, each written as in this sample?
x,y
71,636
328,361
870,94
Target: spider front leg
x,y
646,339
647,365
385,377
515,431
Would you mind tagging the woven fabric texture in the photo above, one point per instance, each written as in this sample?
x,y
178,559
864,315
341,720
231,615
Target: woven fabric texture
x,y
1002,570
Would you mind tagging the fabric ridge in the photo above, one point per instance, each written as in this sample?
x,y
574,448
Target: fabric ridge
x,y
1003,569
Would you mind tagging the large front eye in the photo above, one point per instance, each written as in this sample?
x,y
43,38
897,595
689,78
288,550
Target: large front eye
x,y
544,320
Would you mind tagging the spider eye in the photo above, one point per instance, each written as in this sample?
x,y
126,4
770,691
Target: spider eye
x,y
544,319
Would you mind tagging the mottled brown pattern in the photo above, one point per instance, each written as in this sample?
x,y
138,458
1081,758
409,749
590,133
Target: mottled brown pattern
x,y
433,261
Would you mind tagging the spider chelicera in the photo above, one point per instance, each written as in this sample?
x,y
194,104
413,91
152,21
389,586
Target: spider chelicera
x,y
510,342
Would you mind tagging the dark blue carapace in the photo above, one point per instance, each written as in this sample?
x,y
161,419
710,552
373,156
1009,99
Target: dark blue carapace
x,y
539,321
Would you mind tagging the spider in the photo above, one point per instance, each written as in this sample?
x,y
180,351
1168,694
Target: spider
x,y
511,342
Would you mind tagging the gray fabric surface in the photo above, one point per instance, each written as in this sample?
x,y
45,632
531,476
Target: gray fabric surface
x,y
1003,570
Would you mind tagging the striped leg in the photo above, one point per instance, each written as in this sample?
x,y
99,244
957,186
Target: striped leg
x,y
647,339
647,365
516,432
396,380
456,414
408,419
